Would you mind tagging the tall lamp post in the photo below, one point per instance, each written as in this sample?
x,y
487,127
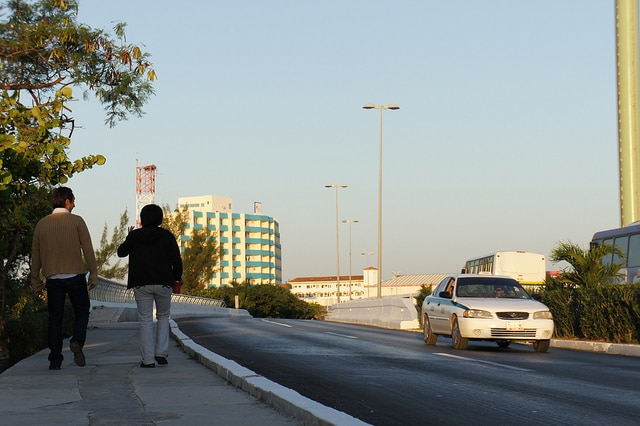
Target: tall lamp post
x,y
350,222
337,186
381,108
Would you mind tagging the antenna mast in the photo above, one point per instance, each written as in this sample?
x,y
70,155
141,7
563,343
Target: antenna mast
x,y
145,188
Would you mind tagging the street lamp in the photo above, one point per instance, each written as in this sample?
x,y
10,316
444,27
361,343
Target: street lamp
x,y
367,253
381,108
337,186
350,222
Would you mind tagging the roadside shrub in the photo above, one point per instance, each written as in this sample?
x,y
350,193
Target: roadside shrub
x,y
24,331
264,301
561,300
425,291
609,312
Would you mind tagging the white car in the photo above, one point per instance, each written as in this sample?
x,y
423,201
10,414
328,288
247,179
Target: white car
x,y
485,307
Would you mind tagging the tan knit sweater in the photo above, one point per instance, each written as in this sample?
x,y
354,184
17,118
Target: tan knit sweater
x,y
59,242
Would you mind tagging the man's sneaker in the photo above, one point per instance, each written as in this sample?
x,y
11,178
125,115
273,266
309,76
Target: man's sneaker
x,y
161,360
78,356
54,365
143,365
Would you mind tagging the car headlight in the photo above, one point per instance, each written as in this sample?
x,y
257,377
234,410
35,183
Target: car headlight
x,y
542,315
477,313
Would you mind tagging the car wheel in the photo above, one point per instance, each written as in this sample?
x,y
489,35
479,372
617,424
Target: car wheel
x,y
427,333
541,345
503,343
458,341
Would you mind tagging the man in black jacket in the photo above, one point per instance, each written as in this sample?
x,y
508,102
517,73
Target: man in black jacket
x,y
154,266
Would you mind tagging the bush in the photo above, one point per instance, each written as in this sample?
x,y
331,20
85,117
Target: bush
x,y
609,313
24,330
424,292
562,302
264,301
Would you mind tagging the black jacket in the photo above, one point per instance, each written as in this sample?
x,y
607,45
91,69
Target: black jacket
x,y
154,257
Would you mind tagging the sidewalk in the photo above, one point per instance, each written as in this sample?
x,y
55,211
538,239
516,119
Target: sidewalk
x,y
112,389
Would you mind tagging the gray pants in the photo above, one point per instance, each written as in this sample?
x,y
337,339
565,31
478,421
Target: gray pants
x,y
153,344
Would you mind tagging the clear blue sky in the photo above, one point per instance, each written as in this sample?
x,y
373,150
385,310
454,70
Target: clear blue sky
x,y
505,139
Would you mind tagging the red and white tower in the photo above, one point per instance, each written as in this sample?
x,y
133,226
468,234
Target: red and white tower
x,y
145,188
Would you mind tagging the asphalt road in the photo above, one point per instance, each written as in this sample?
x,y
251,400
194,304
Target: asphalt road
x,y
390,377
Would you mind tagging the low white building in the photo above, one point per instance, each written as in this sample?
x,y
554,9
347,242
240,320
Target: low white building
x,y
322,289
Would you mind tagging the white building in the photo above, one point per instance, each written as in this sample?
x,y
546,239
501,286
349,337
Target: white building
x,y
322,290
250,243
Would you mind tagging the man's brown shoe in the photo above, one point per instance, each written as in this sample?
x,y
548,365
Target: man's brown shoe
x,y
78,356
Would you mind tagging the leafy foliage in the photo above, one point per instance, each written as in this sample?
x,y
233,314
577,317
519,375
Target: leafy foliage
x,y
425,291
26,325
175,221
106,253
584,305
563,303
200,253
587,268
44,55
44,51
199,259
264,301
610,313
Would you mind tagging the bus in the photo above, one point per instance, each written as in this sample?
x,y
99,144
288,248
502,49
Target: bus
x,y
627,239
529,269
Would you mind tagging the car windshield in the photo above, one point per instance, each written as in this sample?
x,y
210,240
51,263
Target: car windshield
x,y
490,287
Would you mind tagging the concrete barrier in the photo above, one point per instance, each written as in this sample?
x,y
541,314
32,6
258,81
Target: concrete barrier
x,y
396,312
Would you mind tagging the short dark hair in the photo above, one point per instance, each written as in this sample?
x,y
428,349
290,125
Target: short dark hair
x,y
60,195
151,215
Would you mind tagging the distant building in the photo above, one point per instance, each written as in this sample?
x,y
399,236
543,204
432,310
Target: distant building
x,y
322,289
409,284
250,243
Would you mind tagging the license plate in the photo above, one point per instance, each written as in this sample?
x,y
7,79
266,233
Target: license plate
x,y
514,326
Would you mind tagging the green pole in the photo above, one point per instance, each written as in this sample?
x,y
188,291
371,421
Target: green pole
x,y
628,134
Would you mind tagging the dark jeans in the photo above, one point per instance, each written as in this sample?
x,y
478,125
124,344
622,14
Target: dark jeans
x,y
57,290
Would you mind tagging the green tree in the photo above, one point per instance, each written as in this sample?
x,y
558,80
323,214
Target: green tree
x,y
588,269
44,55
199,259
175,221
106,253
200,253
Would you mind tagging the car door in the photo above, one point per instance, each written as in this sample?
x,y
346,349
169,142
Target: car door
x,y
436,307
448,306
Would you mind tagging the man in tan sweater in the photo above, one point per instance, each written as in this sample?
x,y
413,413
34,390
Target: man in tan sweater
x,y
60,241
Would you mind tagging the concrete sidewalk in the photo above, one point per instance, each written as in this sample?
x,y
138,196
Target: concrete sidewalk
x,y
197,387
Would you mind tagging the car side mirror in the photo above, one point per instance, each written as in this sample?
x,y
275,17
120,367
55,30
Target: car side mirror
x,y
445,295
536,296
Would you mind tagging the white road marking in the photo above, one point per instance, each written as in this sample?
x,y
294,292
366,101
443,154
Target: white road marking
x,y
496,364
341,335
277,323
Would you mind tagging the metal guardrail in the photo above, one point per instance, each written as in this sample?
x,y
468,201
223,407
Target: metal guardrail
x,y
116,292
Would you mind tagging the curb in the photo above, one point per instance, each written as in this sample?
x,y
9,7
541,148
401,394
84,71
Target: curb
x,y
599,347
